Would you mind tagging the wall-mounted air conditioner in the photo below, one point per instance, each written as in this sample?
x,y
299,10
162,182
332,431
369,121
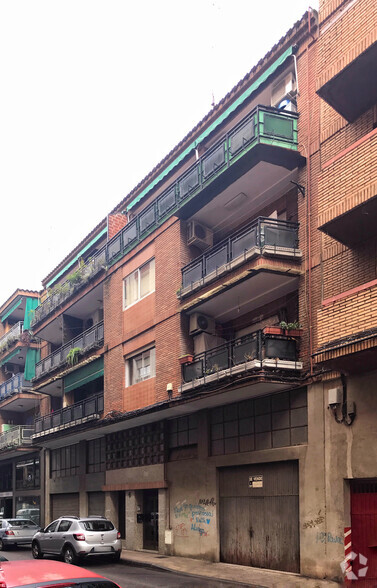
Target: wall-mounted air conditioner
x,y
199,235
201,322
285,89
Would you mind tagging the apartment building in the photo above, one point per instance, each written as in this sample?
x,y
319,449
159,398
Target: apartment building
x,y
21,465
206,369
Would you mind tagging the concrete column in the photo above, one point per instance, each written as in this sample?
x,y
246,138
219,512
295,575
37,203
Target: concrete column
x,y
83,495
111,506
134,530
162,520
47,483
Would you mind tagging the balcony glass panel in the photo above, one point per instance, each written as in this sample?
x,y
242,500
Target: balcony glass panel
x,y
193,274
213,161
113,247
66,415
217,360
89,338
245,350
278,126
129,234
166,202
216,259
56,419
147,219
241,137
280,349
90,406
279,236
78,411
192,371
244,242
189,182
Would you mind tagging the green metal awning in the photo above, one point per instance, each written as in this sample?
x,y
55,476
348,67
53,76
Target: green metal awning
x,y
82,376
253,88
9,357
12,308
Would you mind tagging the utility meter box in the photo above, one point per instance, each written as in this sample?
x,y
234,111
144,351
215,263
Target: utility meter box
x,y
335,396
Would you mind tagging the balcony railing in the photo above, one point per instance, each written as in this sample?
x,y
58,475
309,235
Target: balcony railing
x,y
263,232
60,293
15,384
89,339
263,125
16,436
251,351
68,416
11,336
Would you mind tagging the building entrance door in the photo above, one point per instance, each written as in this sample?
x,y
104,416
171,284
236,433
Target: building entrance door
x,y
364,531
259,515
150,511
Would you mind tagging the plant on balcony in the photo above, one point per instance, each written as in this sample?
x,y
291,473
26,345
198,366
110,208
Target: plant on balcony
x,y
73,356
212,369
292,329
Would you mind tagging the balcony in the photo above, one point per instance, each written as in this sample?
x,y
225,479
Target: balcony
x,y
11,337
353,89
13,386
62,292
267,133
17,436
250,354
262,236
90,339
70,416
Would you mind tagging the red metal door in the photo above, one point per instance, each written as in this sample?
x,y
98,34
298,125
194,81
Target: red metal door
x,y
364,531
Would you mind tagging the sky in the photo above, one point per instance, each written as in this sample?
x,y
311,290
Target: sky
x,y
94,93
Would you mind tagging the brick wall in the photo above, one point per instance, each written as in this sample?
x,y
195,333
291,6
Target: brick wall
x,y
115,222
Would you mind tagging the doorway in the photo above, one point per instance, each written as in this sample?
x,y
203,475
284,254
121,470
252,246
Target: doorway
x,y
150,527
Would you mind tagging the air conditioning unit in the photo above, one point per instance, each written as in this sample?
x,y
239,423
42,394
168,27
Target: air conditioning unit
x,y
201,322
199,235
285,89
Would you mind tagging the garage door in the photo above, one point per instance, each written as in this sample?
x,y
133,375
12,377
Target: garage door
x,y
64,505
259,516
364,532
96,503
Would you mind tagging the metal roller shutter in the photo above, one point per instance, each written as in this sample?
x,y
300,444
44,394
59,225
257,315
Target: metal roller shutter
x,y
259,515
64,505
96,503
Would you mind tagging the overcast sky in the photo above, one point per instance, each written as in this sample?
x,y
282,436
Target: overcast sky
x,y
94,94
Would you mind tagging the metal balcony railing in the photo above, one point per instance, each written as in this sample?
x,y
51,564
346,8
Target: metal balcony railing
x,y
90,407
263,125
15,384
11,336
89,339
255,346
16,436
261,233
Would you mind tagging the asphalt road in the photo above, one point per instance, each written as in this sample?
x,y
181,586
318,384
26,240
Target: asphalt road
x,y
130,576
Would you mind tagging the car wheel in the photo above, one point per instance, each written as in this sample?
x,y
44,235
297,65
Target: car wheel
x,y
116,557
36,551
69,555
2,546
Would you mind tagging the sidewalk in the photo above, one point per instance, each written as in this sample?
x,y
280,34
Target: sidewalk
x,y
259,578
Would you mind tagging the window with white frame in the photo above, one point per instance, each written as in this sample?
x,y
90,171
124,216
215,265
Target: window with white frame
x,y
141,367
139,284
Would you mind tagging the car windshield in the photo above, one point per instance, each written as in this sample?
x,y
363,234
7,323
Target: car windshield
x,y
97,525
21,523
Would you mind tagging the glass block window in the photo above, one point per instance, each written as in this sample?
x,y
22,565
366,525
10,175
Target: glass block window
x,y
261,423
136,447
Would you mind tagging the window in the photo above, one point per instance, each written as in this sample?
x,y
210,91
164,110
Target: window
x,y
139,284
28,474
64,526
141,367
95,455
64,461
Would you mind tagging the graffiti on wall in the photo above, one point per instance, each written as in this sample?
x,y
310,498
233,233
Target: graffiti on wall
x,y
194,518
328,538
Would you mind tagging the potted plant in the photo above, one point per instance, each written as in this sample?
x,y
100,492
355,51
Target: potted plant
x,y
291,329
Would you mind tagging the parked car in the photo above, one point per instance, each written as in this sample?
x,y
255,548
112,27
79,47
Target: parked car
x,y
36,574
75,538
16,532
28,513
